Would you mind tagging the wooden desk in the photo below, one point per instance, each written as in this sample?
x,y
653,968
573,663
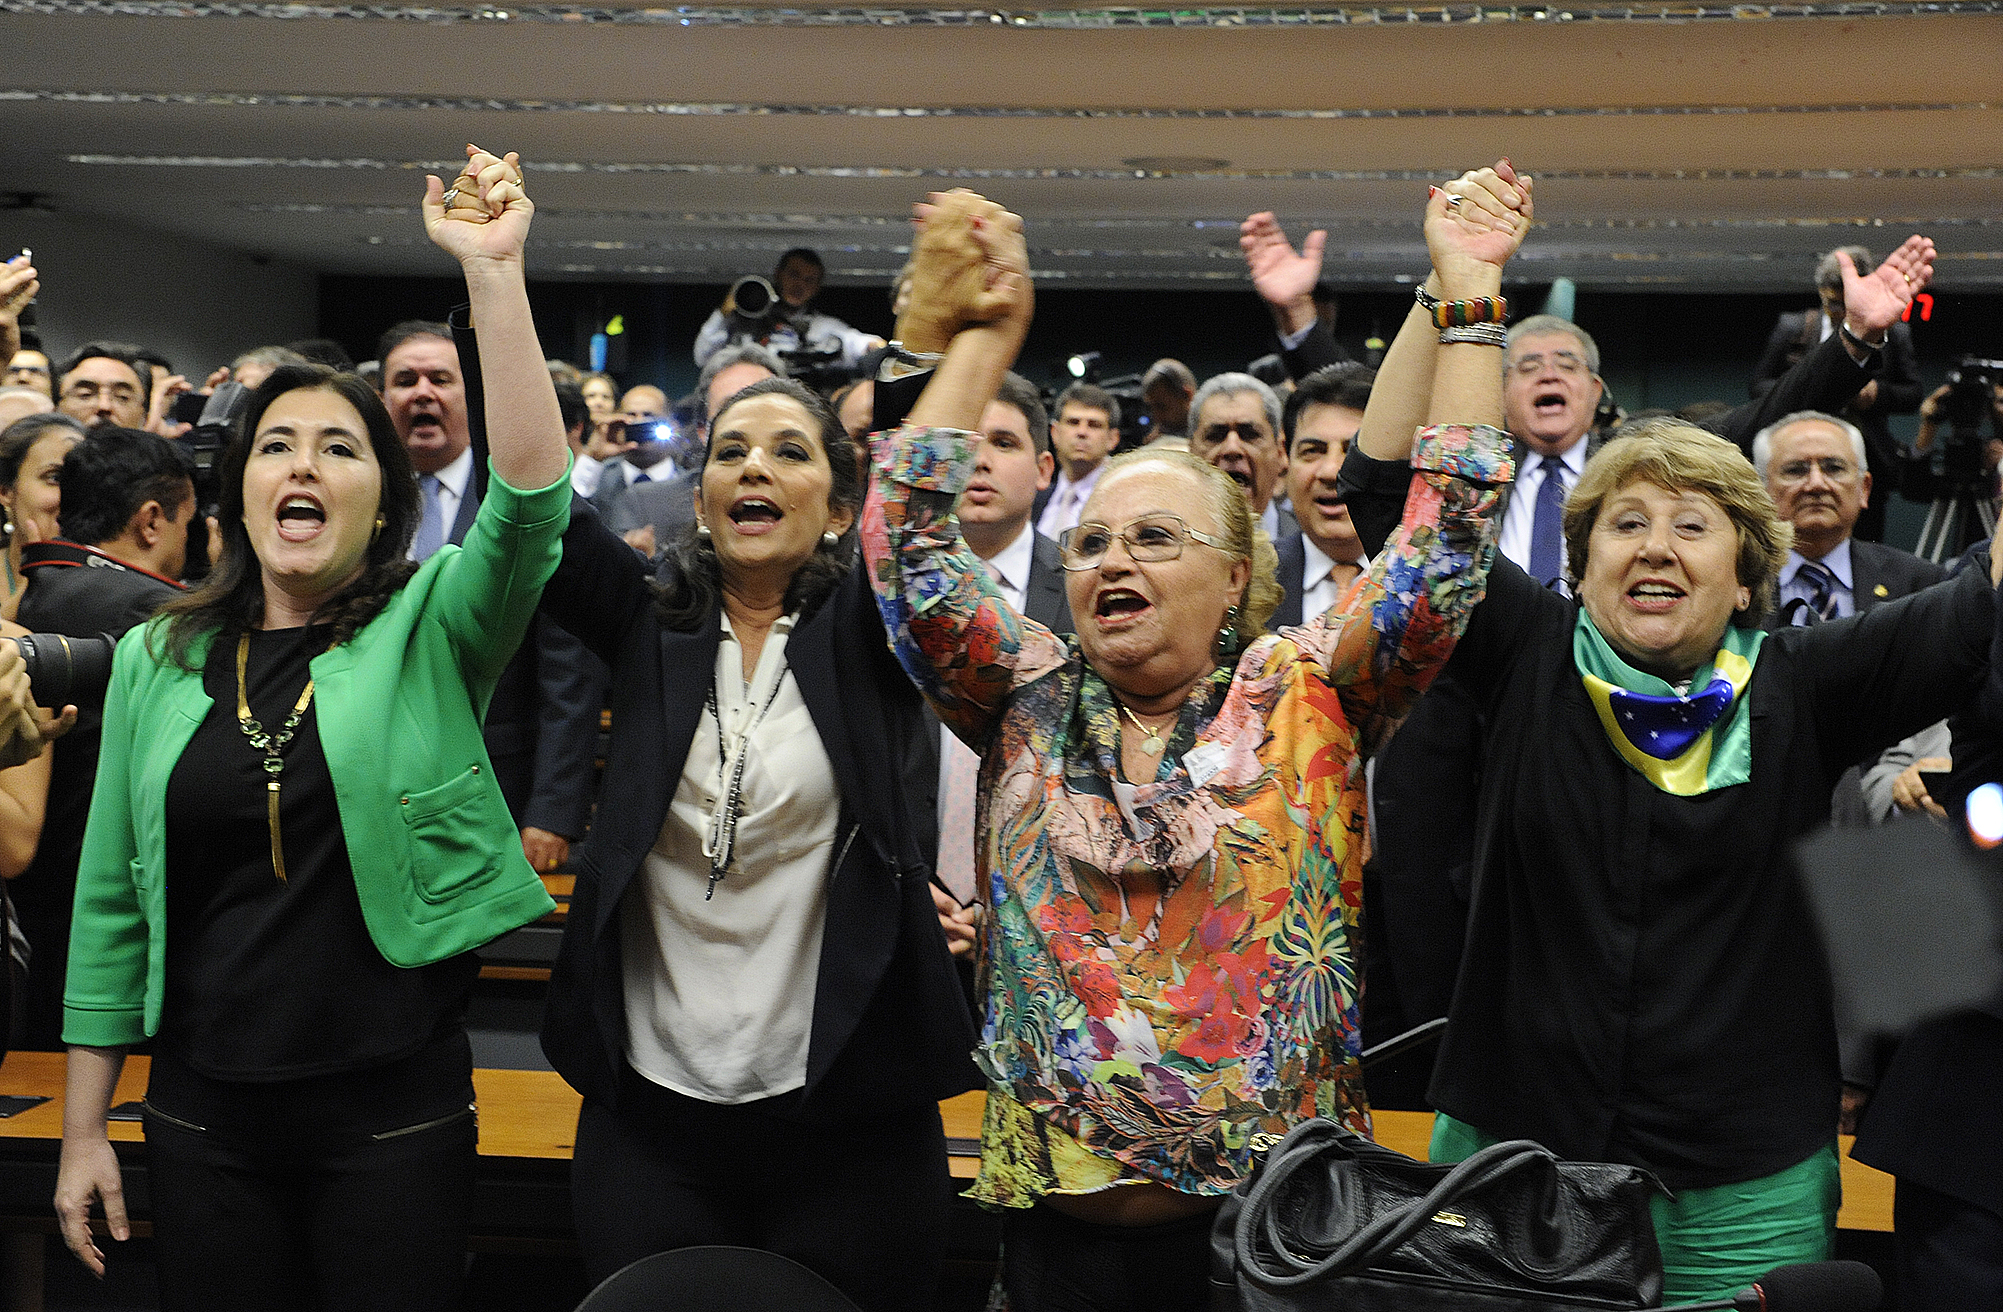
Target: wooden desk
x,y
528,1121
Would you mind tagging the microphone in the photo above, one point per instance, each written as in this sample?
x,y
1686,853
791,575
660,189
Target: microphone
x,y
1803,1287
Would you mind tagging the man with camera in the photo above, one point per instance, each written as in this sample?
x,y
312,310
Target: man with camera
x,y
128,502
780,314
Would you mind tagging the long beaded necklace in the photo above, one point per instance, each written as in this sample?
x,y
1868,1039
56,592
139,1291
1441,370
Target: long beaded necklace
x,y
270,744
720,842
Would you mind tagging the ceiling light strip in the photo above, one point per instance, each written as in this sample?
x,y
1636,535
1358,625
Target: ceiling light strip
x,y
790,222
616,167
505,105
691,16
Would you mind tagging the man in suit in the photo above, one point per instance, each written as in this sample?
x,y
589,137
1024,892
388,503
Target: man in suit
x,y
1086,430
1816,468
1895,391
542,722
1320,421
1167,389
1236,427
1011,465
127,505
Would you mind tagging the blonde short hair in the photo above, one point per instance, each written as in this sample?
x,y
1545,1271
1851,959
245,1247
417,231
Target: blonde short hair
x,y
1241,532
1673,455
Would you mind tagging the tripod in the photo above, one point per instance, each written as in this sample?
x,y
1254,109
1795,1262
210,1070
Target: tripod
x,y
1951,520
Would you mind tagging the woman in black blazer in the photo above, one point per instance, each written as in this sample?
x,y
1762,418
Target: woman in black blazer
x,y
761,1013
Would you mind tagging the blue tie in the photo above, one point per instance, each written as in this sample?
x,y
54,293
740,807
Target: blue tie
x,y
1821,593
1547,529
431,529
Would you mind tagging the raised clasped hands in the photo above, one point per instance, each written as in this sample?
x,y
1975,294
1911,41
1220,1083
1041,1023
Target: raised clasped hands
x,y
1874,301
970,266
1475,224
484,214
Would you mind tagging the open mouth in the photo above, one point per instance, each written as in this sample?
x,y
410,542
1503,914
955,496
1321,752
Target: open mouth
x,y
755,510
1655,596
300,518
1550,403
1117,604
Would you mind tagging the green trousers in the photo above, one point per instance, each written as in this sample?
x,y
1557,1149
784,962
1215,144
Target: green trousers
x,y
1717,1241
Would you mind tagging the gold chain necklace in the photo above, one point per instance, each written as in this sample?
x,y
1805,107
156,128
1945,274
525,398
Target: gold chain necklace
x,y
270,744
1152,744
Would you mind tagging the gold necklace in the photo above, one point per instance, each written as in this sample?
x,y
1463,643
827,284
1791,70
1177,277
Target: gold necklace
x,y
1152,744
270,744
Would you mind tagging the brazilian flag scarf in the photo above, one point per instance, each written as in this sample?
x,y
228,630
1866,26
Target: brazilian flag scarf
x,y
1684,745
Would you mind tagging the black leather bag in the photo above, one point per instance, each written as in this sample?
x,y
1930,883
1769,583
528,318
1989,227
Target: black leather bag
x,y
1332,1221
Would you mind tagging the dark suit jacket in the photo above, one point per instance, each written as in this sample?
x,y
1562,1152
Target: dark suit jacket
x,y
1293,555
1899,390
542,722
667,504
1317,350
890,1018
81,601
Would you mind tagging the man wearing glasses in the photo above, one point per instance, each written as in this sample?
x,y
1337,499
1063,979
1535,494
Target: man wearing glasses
x,y
105,383
1237,429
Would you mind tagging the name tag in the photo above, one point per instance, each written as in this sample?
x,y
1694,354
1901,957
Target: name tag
x,y
1203,761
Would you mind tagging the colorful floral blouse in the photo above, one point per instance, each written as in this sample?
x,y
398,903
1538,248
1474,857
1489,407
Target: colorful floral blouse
x,y
1169,971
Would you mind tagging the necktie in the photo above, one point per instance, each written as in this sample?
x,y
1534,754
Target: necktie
x,y
1547,529
643,477
431,529
1821,593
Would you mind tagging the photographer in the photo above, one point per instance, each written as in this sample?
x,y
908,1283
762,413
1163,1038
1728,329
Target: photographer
x,y
1951,456
786,320
127,503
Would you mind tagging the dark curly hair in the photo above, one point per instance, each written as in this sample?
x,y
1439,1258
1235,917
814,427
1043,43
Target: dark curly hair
x,y
231,600
690,588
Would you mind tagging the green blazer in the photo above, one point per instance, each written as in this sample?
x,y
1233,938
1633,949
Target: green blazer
x,y
436,856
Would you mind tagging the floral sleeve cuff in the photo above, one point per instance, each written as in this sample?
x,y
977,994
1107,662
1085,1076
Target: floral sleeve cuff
x,y
1475,452
927,459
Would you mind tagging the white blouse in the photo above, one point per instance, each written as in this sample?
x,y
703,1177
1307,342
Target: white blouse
x,y
720,992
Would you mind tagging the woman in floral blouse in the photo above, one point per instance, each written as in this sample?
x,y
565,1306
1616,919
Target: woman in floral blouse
x,y
1172,801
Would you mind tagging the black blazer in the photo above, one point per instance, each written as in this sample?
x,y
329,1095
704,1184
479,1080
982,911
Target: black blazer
x,y
890,1018
1293,565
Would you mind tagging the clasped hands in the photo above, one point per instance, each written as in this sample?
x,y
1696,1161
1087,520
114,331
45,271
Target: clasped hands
x,y
969,268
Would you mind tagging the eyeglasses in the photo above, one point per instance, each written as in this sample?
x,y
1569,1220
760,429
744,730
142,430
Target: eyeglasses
x,y
122,393
1564,362
1834,468
1151,537
27,371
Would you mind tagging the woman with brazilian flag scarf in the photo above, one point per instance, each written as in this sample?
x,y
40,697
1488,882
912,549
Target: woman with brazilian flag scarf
x,y
1641,981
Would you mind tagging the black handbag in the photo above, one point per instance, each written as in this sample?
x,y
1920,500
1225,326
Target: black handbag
x,y
1333,1221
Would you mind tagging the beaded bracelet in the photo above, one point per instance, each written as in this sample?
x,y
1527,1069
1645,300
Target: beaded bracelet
x,y
1481,309
1475,334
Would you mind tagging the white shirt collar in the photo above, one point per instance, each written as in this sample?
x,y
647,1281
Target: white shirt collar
x,y
1318,565
453,477
1012,563
1084,485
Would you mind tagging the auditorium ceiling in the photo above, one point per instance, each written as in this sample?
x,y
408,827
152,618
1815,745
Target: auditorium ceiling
x,y
1683,146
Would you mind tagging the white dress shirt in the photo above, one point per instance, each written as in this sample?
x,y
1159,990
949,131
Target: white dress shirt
x,y
1521,514
452,482
720,993
1318,587
1010,566
584,474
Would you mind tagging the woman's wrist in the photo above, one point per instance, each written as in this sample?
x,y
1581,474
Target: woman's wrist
x,y
1468,282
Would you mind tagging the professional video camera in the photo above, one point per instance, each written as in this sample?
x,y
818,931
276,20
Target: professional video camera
x,y
215,418
60,667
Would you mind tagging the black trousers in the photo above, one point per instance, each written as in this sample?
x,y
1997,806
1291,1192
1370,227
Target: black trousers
x,y
1950,1252
862,1202
1056,1263
341,1192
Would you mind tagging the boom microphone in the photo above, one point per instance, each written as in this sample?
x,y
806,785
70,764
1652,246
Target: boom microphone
x,y
1803,1287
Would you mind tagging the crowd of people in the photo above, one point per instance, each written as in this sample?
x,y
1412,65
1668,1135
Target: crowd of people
x,y
1139,775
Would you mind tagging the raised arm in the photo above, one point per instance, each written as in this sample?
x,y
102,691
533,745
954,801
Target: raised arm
x,y
484,226
953,632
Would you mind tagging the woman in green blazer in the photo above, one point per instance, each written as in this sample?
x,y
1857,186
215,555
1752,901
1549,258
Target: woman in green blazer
x,y
296,840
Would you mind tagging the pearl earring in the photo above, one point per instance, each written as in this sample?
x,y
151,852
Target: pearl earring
x,y
702,531
830,538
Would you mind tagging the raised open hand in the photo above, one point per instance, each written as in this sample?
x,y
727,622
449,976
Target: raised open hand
x,y
18,286
1874,301
1283,277
484,214
1478,219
